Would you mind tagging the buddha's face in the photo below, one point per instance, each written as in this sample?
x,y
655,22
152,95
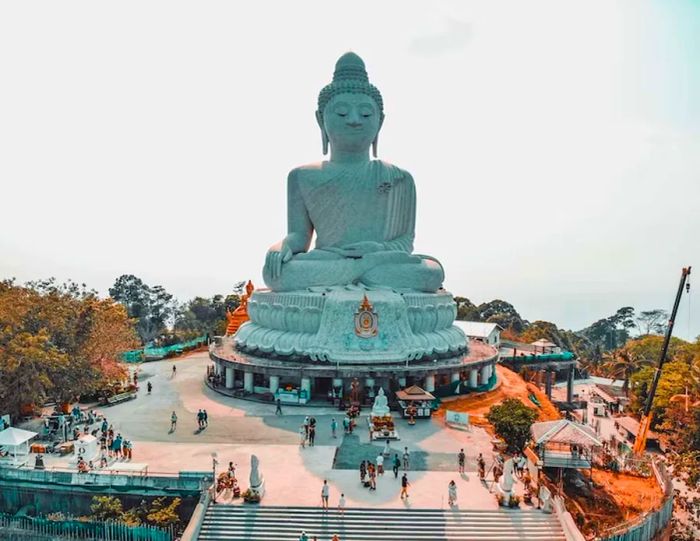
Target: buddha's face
x,y
351,122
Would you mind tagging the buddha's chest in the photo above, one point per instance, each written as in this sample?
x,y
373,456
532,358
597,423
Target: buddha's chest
x,y
346,208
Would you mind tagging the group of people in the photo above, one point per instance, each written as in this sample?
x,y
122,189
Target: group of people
x,y
307,431
369,471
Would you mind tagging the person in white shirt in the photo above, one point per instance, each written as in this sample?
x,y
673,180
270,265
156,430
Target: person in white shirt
x,y
380,464
341,504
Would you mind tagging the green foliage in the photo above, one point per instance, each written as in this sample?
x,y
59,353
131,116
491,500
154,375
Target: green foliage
x,y
466,310
163,514
201,315
503,313
512,421
106,508
674,379
151,307
57,341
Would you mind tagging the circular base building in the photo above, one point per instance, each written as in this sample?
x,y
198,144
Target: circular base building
x,y
304,345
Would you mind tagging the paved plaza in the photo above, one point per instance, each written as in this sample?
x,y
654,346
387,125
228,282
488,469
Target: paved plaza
x,y
293,475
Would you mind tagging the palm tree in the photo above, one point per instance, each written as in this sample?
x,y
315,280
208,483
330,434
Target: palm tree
x,y
621,364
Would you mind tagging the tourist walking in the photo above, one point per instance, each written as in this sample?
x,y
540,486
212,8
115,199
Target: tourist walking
x,y
302,436
346,424
372,472
306,425
205,418
325,492
452,493
404,486
312,434
173,422
460,460
174,370
200,419
341,505
397,465
278,409
149,386
406,457
334,426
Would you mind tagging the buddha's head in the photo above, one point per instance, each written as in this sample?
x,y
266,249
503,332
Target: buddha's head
x,y
350,110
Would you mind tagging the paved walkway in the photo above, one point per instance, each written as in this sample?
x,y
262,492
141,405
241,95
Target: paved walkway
x,y
294,476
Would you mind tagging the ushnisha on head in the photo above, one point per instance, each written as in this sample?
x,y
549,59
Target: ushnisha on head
x,y
350,109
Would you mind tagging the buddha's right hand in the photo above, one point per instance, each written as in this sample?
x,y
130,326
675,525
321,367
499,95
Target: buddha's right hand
x,y
276,255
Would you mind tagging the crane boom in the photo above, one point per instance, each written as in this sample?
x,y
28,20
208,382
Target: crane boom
x,y
640,441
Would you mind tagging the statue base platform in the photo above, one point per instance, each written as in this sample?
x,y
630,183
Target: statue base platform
x,y
352,325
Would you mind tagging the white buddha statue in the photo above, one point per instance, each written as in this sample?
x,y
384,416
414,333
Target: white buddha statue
x,y
381,405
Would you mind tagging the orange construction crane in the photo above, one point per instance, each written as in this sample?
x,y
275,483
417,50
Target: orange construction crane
x,y
640,442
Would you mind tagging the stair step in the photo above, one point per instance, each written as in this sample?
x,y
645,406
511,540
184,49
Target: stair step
x,y
227,522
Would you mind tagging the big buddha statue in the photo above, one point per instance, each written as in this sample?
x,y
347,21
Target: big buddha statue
x,y
360,295
363,211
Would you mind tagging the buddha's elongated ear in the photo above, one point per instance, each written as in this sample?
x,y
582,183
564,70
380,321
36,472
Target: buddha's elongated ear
x,y
324,135
375,143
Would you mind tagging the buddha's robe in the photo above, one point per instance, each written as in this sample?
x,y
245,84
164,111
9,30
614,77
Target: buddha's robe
x,y
344,205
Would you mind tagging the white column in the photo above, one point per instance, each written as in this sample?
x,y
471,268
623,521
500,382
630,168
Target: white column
x,y
429,383
274,384
491,369
306,386
229,377
248,382
402,382
484,374
455,376
473,378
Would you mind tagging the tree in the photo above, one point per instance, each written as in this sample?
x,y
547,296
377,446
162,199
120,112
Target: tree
x,y
151,307
652,321
673,381
106,508
512,421
622,364
163,514
57,341
613,331
503,313
466,310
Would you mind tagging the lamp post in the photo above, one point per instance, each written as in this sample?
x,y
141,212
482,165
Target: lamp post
x,y
214,463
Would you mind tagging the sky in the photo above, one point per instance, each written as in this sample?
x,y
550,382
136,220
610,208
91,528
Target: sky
x,y
555,145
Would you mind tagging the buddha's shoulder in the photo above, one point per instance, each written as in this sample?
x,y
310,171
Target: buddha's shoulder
x,y
315,172
307,173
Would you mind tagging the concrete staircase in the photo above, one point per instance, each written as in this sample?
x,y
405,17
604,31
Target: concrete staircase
x,y
229,522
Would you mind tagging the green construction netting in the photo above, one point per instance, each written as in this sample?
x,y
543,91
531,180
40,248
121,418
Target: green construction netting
x,y
153,354
563,356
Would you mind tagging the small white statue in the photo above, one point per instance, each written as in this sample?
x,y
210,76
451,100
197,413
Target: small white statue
x,y
257,482
380,407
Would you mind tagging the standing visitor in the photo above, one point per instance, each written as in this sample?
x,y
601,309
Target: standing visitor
x,y
335,537
363,471
397,465
302,436
312,434
346,424
200,419
452,493
205,417
334,426
325,491
404,486
173,422
278,410
149,386
372,471
174,370
460,460
306,425
497,472
380,464
481,463
406,457
341,505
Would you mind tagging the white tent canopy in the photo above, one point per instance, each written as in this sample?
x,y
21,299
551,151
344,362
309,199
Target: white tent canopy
x,y
16,442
